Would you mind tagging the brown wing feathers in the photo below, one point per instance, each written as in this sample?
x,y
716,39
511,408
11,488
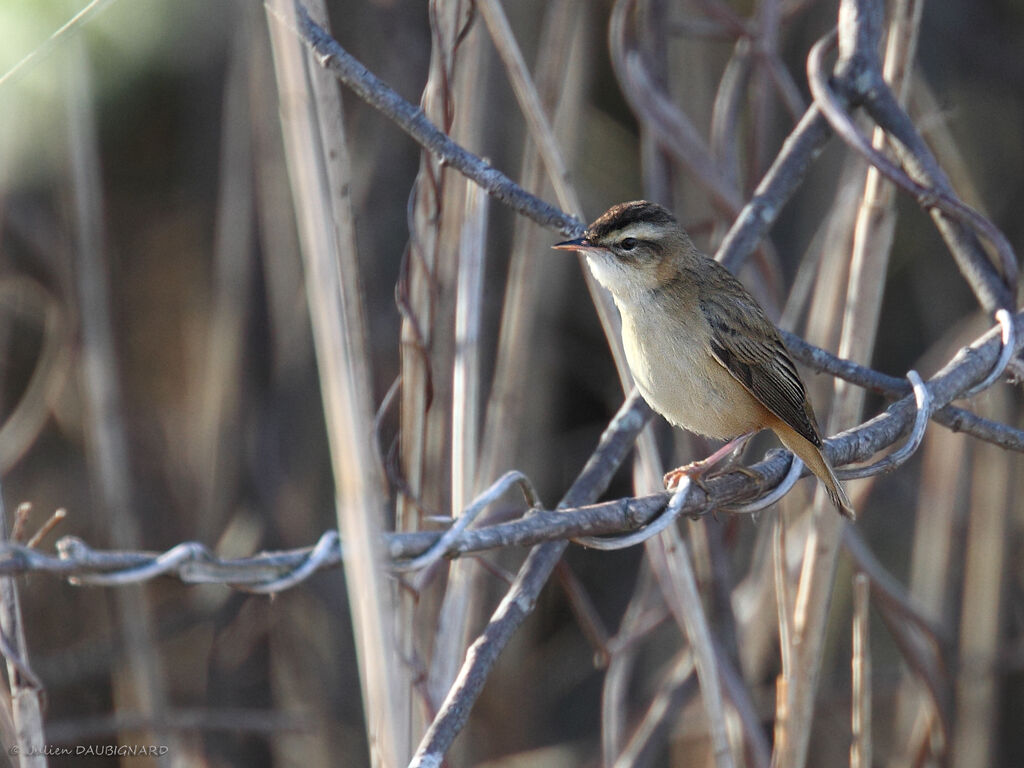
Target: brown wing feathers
x,y
748,346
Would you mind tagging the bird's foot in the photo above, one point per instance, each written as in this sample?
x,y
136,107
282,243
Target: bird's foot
x,y
697,470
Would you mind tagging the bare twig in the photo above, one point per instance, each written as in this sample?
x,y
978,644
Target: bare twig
x,y
200,566
798,152
412,120
615,444
674,130
450,638
802,146
860,80
52,522
26,689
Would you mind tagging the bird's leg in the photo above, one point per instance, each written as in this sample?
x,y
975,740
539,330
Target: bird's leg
x,y
696,469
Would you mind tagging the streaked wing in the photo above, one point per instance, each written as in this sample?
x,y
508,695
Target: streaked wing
x,y
747,344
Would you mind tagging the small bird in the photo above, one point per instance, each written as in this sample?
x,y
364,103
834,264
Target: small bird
x,y
702,350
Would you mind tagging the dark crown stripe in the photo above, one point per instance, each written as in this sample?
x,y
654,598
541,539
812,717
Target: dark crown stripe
x,y
625,214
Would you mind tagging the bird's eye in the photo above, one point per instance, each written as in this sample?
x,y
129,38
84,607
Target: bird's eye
x,y
628,244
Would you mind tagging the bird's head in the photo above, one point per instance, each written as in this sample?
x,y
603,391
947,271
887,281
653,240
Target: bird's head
x,y
633,248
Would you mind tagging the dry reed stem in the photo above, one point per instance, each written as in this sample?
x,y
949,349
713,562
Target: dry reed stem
x,y
872,238
768,21
930,568
727,110
977,692
313,129
655,162
672,565
860,746
281,265
677,684
653,107
142,687
452,634
622,649
26,690
530,104
215,421
515,348
441,234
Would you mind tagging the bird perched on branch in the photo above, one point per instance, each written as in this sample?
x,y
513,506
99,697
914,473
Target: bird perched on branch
x,y
702,350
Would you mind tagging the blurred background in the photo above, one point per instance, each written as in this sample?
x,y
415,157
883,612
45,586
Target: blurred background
x,y
159,378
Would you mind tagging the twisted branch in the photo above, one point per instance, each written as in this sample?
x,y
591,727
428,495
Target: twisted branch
x,y
193,563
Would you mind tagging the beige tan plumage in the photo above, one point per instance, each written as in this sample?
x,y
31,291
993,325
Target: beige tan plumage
x,y
702,350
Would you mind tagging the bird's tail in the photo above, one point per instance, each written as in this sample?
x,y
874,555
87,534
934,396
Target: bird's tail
x,y
811,455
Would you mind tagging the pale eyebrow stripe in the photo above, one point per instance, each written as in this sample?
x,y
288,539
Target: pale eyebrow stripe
x,y
641,230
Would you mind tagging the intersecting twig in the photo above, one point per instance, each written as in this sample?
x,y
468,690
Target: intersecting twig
x,y
517,604
787,172
26,690
859,80
194,563
411,119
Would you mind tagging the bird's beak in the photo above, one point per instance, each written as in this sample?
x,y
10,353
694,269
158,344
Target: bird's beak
x,y
580,244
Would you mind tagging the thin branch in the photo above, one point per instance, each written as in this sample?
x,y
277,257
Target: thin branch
x,y
955,418
673,128
798,152
855,82
25,688
410,119
194,563
615,444
800,149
